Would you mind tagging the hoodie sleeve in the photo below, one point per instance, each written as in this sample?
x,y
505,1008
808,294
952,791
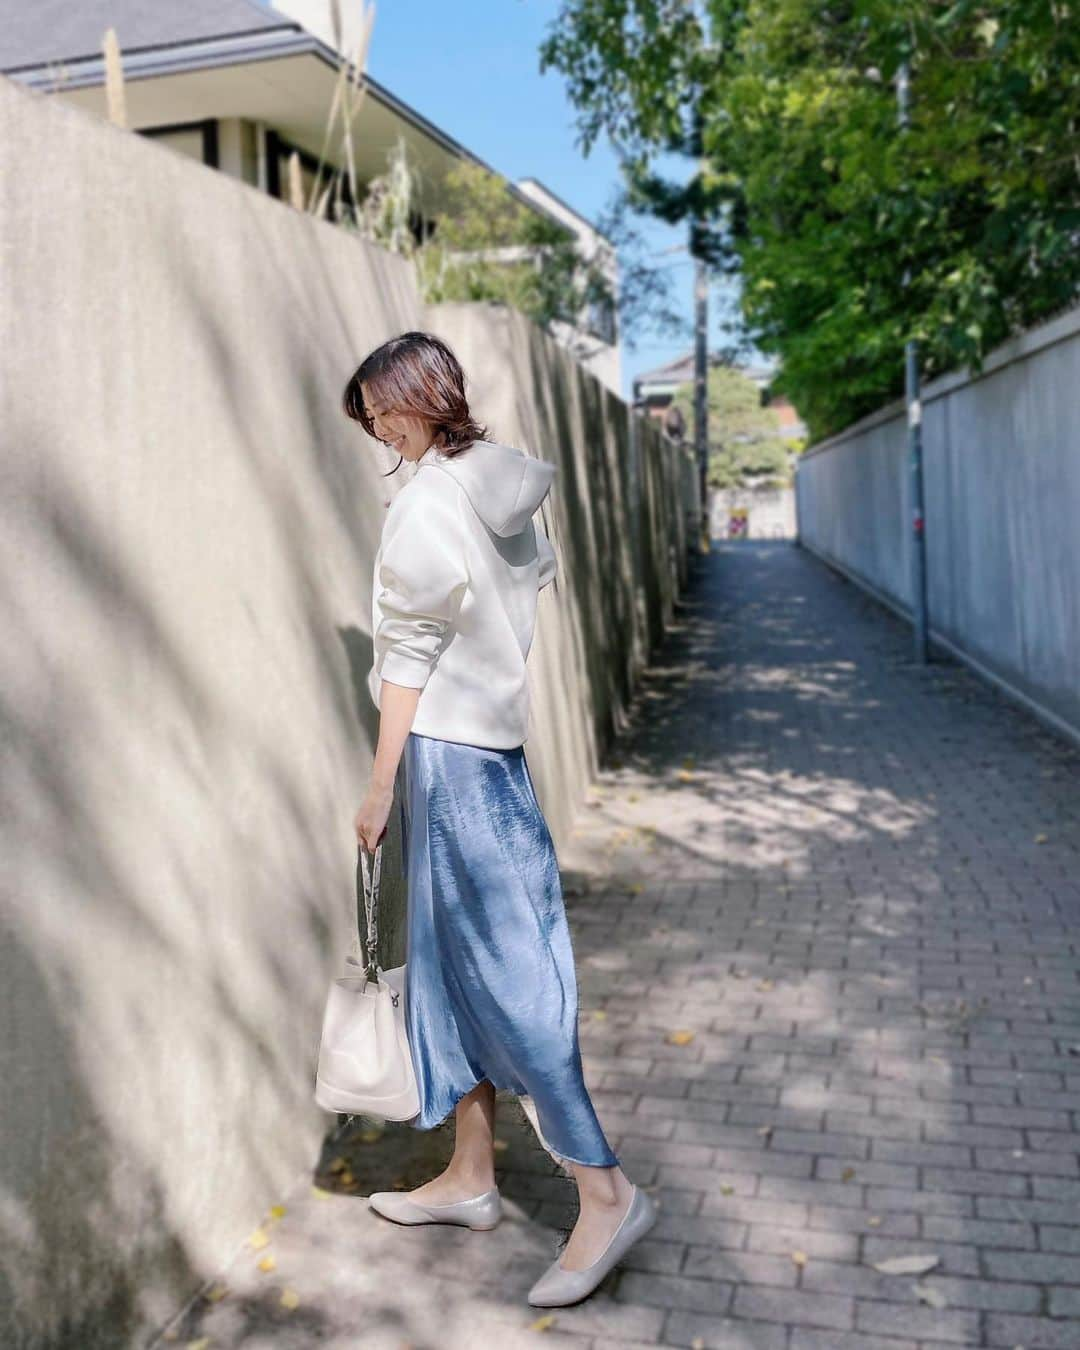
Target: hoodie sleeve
x,y
421,579
546,553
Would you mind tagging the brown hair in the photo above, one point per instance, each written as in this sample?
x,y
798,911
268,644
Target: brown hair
x,y
418,375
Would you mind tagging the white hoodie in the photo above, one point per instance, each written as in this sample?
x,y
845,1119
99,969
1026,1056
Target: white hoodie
x,y
454,593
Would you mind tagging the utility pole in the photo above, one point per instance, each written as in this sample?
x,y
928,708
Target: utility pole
x,y
914,423
701,374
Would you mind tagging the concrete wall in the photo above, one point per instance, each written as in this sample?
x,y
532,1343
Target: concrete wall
x,y
1001,501
187,529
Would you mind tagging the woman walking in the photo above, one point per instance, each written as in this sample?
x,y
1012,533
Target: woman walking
x,y
490,991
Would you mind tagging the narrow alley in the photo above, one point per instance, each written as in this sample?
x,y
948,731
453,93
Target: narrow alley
x,y
825,909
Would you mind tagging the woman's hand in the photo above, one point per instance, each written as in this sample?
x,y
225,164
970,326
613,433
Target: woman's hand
x,y
373,814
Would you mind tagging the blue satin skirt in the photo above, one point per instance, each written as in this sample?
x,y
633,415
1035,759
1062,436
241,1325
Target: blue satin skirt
x,y
490,986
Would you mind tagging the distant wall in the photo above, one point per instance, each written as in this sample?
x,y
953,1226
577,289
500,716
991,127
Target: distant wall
x,y
1001,504
770,512
187,528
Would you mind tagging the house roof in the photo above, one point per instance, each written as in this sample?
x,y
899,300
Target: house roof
x,y
681,371
50,31
160,41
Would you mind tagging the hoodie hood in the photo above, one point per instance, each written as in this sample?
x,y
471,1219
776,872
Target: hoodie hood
x,y
504,484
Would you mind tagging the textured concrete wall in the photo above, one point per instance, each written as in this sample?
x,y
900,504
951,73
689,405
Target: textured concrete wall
x,y
187,529
1001,502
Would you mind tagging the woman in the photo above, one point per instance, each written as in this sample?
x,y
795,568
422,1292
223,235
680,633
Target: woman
x,y
491,991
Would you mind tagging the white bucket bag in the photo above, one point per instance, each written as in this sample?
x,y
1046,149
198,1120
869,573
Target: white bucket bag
x,y
365,1064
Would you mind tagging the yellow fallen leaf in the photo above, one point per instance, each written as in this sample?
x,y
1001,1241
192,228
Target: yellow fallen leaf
x,y
681,1037
216,1292
290,1298
599,1014
370,1136
499,1145
320,1194
258,1238
268,1262
800,1258
764,986
727,1190
542,1323
200,1344
874,1221
847,1174
277,1211
347,1178
338,1165
636,888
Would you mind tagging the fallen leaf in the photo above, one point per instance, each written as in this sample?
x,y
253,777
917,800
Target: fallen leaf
x,y
928,1294
200,1344
290,1298
268,1262
764,986
338,1165
277,1211
698,1343
800,1258
320,1194
727,1190
637,888
907,1265
1041,838
848,1174
258,1239
216,1292
765,1131
370,1136
874,1221
599,1014
542,1323
500,1145
680,1037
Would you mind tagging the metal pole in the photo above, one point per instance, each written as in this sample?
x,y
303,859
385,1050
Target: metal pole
x,y
914,423
701,408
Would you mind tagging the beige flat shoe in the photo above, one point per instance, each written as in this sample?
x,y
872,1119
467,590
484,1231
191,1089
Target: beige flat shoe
x,y
480,1211
557,1286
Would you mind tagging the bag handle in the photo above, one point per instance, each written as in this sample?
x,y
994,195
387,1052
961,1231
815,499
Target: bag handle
x,y
370,878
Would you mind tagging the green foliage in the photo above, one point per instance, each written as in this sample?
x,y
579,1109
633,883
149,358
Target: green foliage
x,y
744,437
822,201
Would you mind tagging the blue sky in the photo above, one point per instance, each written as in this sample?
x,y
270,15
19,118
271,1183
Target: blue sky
x,y
472,68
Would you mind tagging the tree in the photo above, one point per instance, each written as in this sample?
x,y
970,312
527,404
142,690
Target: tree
x,y
744,436
823,200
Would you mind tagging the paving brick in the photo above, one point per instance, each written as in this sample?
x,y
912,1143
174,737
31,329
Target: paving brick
x,y
795,1307
912,1319
719,1333
1042,1267
674,1291
1033,1333
806,1339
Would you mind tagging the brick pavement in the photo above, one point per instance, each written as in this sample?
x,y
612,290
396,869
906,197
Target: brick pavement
x,y
856,882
